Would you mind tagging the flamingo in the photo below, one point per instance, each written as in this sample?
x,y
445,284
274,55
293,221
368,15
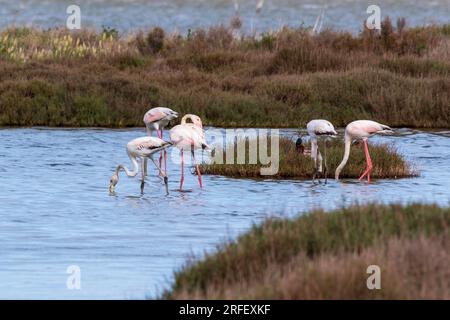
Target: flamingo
x,y
142,148
157,119
361,130
319,22
189,136
259,6
319,128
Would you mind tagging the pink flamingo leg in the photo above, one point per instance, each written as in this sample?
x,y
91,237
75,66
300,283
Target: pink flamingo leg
x,y
182,170
160,155
165,162
369,163
198,171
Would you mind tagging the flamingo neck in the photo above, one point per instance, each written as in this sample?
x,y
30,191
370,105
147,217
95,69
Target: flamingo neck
x,y
128,172
348,141
187,116
314,148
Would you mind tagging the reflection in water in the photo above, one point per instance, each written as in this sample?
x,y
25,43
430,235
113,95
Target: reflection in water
x,y
56,210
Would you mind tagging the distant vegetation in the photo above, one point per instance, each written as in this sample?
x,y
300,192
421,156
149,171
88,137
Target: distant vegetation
x,y
399,76
325,255
387,163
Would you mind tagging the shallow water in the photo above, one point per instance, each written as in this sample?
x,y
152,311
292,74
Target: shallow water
x,y
55,210
180,15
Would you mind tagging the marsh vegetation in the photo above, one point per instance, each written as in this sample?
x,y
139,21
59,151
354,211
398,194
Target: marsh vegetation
x,y
388,163
324,255
399,76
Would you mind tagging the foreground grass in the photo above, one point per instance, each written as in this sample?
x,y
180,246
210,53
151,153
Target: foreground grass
x,y
398,76
387,162
325,256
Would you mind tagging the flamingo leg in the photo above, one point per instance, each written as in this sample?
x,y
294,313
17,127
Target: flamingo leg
x,y
165,155
160,154
143,165
182,170
198,170
325,167
166,180
315,171
369,163
317,166
165,162
144,169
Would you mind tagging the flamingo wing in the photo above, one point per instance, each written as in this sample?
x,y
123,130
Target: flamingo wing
x,y
158,114
154,115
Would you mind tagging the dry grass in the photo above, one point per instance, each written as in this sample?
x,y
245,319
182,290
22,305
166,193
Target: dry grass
x,y
388,163
281,79
325,256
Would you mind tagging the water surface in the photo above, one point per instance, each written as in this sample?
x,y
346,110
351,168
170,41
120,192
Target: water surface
x,y
180,15
55,210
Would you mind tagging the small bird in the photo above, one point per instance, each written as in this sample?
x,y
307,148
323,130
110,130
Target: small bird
x,y
157,119
142,148
189,136
300,147
319,128
361,130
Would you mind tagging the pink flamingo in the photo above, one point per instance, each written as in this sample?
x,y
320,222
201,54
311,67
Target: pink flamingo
x,y
361,130
157,119
142,148
189,136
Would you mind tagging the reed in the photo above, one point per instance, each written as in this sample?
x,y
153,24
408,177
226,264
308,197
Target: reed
x,y
387,162
324,255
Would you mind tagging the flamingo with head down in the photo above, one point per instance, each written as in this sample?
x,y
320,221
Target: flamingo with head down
x,y
361,130
189,136
142,148
319,128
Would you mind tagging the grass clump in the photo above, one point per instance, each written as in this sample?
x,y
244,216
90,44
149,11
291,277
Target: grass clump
x,y
387,162
325,256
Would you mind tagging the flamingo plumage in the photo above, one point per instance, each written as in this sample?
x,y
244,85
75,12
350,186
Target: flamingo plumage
x,y
142,148
157,119
319,128
361,130
189,136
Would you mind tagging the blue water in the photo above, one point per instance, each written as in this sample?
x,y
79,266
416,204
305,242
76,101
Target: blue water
x,y
180,15
55,210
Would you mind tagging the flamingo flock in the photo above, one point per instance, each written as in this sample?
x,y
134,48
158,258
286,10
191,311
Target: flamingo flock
x,y
190,136
185,136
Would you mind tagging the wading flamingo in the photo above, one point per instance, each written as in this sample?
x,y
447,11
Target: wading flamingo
x,y
142,148
361,130
157,119
316,129
189,136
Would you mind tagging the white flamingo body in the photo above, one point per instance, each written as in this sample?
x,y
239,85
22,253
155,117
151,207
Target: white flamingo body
x,y
319,128
189,136
142,148
361,130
